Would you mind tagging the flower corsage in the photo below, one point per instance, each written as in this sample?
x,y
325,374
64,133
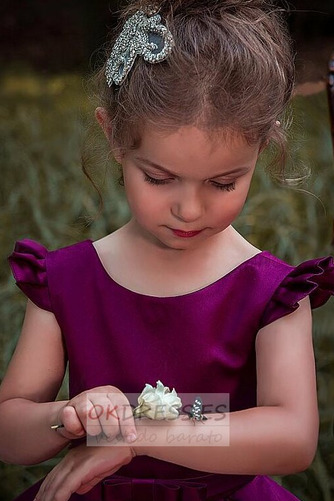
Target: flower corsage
x,y
158,403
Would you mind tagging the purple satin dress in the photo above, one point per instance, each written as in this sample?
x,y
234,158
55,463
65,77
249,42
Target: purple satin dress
x,y
201,342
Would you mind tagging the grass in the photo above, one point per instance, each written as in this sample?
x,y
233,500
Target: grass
x,y
44,125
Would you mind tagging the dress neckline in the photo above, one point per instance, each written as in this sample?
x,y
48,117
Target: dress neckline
x,y
186,294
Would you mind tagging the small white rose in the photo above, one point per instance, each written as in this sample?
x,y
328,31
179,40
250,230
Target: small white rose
x,y
158,403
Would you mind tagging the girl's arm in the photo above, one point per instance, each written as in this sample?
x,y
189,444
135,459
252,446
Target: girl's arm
x,y
279,436
31,383
33,380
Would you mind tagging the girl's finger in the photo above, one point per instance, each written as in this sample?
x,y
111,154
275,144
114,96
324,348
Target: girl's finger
x,y
103,417
71,421
89,485
51,483
64,480
126,421
60,483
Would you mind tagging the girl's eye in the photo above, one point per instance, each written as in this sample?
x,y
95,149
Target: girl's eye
x,y
153,180
224,187
218,186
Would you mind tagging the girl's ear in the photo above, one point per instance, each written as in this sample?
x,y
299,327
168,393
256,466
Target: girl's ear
x,y
104,120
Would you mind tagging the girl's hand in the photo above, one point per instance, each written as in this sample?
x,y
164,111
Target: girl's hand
x,y
81,469
104,409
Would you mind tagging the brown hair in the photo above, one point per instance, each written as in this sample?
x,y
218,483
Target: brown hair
x,y
231,70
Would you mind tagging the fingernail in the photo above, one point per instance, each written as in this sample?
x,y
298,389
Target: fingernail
x,y
131,438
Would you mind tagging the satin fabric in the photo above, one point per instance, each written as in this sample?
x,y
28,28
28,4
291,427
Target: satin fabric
x,y
201,342
205,488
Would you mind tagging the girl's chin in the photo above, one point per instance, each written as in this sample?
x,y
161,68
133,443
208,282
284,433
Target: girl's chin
x,y
181,243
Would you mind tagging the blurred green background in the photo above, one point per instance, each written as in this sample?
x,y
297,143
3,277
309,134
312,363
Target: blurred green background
x,y
46,125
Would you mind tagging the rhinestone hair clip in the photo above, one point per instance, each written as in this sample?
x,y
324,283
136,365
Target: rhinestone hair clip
x,y
142,35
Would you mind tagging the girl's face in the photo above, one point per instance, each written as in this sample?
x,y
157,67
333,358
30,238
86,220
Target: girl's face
x,y
183,188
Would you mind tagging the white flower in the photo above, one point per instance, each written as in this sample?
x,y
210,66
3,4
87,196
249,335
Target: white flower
x,y
158,403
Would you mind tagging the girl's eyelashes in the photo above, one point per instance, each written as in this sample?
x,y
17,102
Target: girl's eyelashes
x,y
218,186
225,187
153,180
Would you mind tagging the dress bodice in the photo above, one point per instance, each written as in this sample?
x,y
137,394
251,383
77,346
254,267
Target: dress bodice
x,y
202,342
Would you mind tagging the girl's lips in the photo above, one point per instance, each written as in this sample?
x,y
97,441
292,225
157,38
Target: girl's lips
x,y
185,234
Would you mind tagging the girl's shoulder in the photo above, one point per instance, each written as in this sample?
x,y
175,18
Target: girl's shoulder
x,y
34,266
313,278
284,284
30,257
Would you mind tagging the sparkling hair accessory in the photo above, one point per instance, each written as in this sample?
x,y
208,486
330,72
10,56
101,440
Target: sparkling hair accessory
x,y
142,35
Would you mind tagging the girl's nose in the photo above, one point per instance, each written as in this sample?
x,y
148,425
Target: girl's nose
x,y
188,207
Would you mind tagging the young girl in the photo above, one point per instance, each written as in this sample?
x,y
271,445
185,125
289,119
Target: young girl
x,y
191,93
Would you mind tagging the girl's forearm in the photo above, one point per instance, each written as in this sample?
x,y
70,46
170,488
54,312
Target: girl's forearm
x,y
25,433
261,441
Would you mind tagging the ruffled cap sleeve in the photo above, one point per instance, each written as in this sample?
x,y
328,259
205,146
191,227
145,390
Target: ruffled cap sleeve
x,y
28,265
314,278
